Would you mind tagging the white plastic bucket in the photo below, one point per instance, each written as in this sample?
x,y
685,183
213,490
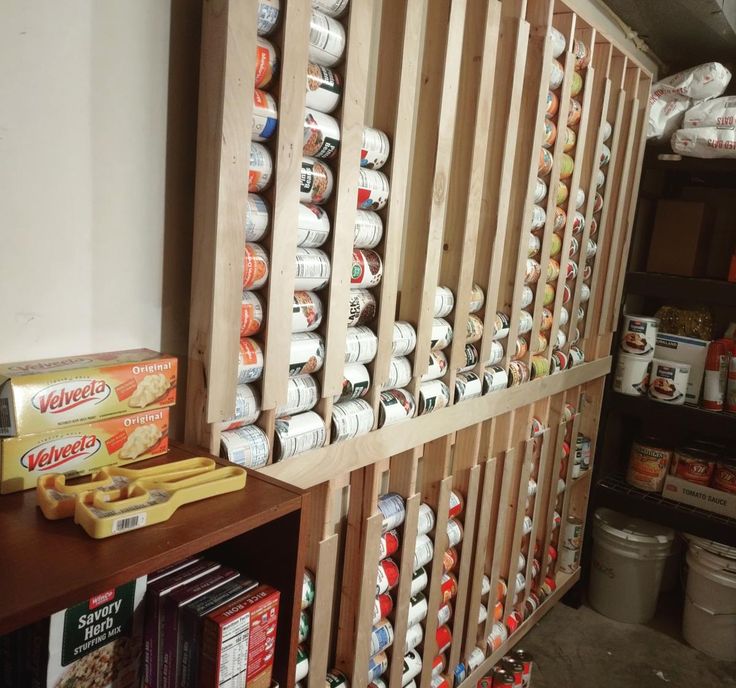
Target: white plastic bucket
x,y
709,620
629,555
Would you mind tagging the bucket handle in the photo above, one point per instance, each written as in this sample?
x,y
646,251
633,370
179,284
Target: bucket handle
x,y
706,610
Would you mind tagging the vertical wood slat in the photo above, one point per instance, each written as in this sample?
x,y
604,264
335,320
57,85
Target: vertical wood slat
x,y
568,486
223,158
322,610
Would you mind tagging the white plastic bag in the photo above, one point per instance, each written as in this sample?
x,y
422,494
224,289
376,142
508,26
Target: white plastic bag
x,y
671,97
705,142
719,112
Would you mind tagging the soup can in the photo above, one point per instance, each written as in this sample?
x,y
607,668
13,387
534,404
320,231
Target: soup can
x,y
668,381
418,608
399,372
298,434
368,229
553,270
556,75
382,636
467,386
326,39
549,132
574,112
361,345
473,328
552,103
570,140
575,357
600,179
312,269
333,8
404,338
251,314
540,367
362,307
425,519
266,62
471,358
265,116
567,166
539,217
373,189
396,405
260,169
268,15
306,311
540,190
302,394
316,181
545,162
518,373
356,381
495,355
321,134
246,446
313,226
414,637
527,296
639,335
649,461
441,334
605,155
477,299
377,666
306,353
535,245
392,508
423,551
533,271
255,266
500,326
437,366
433,396
375,149
576,85
558,41
444,302
351,419
562,192
247,408
250,361
256,217
526,321
324,88
495,378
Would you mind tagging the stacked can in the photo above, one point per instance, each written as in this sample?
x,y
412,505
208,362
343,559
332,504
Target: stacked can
x,y
305,624
513,671
433,391
635,354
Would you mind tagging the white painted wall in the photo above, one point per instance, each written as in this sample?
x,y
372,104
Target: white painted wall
x,y
83,94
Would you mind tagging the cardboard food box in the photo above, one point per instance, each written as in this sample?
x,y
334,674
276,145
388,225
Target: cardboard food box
x,y
717,501
679,240
37,396
95,644
672,347
239,641
82,449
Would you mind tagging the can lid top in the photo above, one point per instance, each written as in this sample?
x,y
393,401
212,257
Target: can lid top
x,y
699,451
633,530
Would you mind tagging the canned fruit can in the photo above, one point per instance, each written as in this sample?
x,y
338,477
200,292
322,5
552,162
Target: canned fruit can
x,y
501,325
533,271
545,162
433,396
315,182
355,382
448,587
535,245
518,373
477,299
388,576
552,104
247,408
373,189
303,627
549,132
351,419
441,336
668,381
256,218
423,551
425,520
313,226
576,85
362,307
574,112
251,314
396,405
265,116
694,465
418,607
392,508
246,446
302,663
558,42
495,378
556,75
377,666
454,532
540,190
250,361
298,434
444,302
368,229
266,62
302,394
414,637
568,559
324,88
326,39
572,533
527,296
437,366
471,358
306,353
361,345
268,16
473,329
312,269
419,582
321,134
399,372
375,149
605,155
382,636
404,338
306,311
567,166
260,169
639,335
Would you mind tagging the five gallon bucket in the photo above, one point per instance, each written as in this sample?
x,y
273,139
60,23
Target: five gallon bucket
x,y
628,559
709,621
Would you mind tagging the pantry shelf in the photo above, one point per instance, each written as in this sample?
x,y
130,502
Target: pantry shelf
x,y
676,288
614,492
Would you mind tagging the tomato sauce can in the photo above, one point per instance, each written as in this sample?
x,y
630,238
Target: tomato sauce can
x,y
444,638
302,394
396,405
433,396
266,62
306,353
388,545
361,345
265,116
418,608
324,88
251,314
313,226
260,169
316,181
419,581
399,373
373,189
375,149
298,434
268,15
368,230
414,637
246,446
351,419
355,382
306,311
321,134
724,476
256,217
388,576
326,39
312,269
448,587
362,307
648,465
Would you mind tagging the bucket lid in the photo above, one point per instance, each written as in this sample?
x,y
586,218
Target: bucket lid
x,y
632,529
712,547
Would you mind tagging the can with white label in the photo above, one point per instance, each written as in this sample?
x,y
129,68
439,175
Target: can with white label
x,y
255,266
412,667
527,296
321,134
356,381
361,345
495,378
316,181
477,299
433,395
260,170
534,247
312,269
576,357
539,217
404,338
247,408
246,446
326,39
306,311
382,636
306,353
437,366
557,73
557,39
368,230
495,355
467,386
251,314
256,217
373,189
351,419
471,358
639,335
313,226
540,190
500,326
473,329
414,637
568,559
572,533
268,15
396,405
302,394
668,381
392,508
375,149
419,581
423,551
533,271
367,269
441,334
417,609
324,88
425,519
250,361
362,307
444,302
454,532
298,434
265,116
266,62
399,372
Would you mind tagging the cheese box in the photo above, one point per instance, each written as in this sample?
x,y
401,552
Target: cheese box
x,y
38,396
238,641
717,501
672,347
82,449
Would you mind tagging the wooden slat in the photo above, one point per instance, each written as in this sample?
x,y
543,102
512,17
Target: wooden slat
x,y
568,483
325,572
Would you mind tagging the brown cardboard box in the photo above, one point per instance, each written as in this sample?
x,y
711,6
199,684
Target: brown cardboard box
x,y
679,238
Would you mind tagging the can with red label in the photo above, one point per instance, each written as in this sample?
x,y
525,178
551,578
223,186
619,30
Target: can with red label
x,y
694,465
368,229
260,170
450,559
256,217
306,353
373,189
324,88
321,134
388,576
302,394
515,668
444,638
439,664
724,476
298,434
316,181
566,294
396,405
306,311
313,226
326,39
255,266
246,446
448,587
527,663
266,62
572,271
375,149
367,269
382,607
251,314
351,419
265,116
361,345
362,307
250,361
649,462
433,396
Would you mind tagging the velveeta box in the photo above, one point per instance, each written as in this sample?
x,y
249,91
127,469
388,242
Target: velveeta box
x,y
81,449
37,396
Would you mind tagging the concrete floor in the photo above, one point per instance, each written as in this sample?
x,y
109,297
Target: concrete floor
x,y
579,648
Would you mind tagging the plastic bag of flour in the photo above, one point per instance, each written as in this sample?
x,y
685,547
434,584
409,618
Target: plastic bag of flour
x,y
705,142
719,112
671,97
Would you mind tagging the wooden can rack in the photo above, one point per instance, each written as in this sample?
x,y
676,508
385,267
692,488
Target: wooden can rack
x,y
460,87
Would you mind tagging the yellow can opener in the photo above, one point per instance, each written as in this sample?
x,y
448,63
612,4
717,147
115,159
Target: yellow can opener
x,y
150,500
57,499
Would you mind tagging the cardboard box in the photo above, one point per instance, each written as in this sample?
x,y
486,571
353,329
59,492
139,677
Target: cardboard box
x,y
238,641
673,347
37,396
679,240
82,449
706,498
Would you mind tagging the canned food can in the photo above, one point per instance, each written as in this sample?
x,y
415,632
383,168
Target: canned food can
x,y
303,627
560,220
473,328
355,382
382,636
439,664
399,373
260,170
467,386
251,314
414,637
268,15
544,166
521,563
557,74
444,614
539,346
423,551
298,434
433,396
548,296
336,679
527,662
306,311
425,520
724,477
572,271
333,8
313,226
308,589
495,378
564,315
412,667
302,394
392,508
475,658
361,345
534,245
437,366
562,192
326,39
441,334
417,608
250,361
367,269
375,149
323,89
597,202
561,339
518,373
668,381
540,367
570,140
600,179
536,567
439,681
471,358
540,190
549,132
302,663
477,299
526,527
539,217
312,269
574,112
552,103
485,585
404,338
247,408
450,559
533,271
576,85
444,638
377,666
444,302
306,353
569,559
368,230
546,321
558,42
321,134
255,266
501,325
495,355
316,181
266,62
448,587
521,348
527,297
373,189
567,166
362,307
388,576
525,322
351,419
639,336
566,294
605,155
396,405
581,54
587,272
578,223
265,116
246,446
419,581
498,635
256,218
575,357
572,534
454,532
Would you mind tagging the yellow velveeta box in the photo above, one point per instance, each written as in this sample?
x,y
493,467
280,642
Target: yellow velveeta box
x,y
81,449
41,395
